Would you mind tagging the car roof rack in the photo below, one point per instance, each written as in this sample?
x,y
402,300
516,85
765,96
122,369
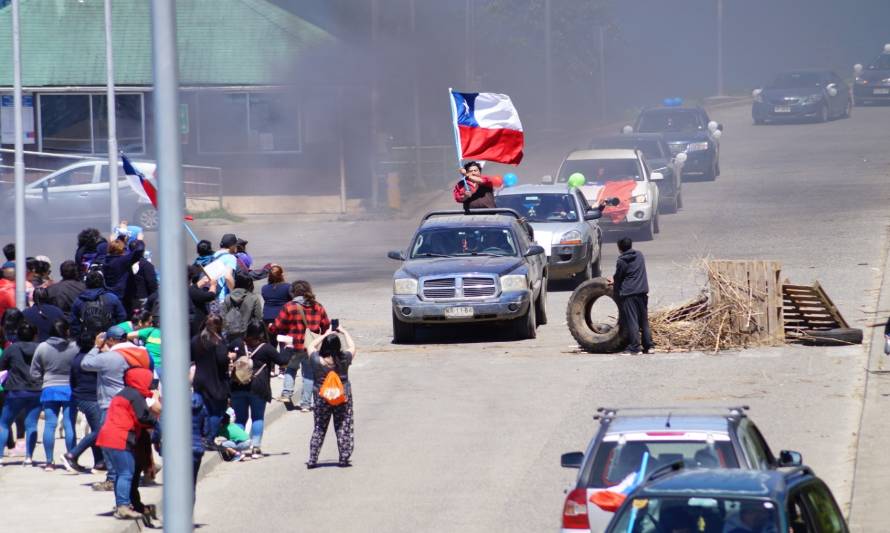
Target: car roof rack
x,y
495,211
611,412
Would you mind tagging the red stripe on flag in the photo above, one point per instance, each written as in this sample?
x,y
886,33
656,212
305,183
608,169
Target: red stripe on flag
x,y
150,191
498,146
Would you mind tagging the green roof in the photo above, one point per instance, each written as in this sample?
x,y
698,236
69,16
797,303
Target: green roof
x,y
221,42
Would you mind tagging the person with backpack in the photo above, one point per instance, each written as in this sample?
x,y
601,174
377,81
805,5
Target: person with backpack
x,y
212,359
239,308
22,390
251,388
300,318
330,368
52,366
96,309
63,293
42,315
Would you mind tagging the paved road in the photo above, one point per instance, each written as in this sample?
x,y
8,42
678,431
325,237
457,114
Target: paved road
x,y
465,434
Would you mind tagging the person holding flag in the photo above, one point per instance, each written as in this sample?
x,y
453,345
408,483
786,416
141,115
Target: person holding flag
x,y
474,190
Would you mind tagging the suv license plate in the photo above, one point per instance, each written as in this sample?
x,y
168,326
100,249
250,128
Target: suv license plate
x,y
458,312
782,109
882,91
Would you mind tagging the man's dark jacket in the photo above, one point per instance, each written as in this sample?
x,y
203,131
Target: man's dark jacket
x,y
630,274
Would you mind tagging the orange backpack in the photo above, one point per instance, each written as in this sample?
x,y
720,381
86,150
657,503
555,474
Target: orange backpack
x,y
332,390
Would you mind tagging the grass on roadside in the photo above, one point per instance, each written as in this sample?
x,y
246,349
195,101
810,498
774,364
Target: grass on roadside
x,y
219,212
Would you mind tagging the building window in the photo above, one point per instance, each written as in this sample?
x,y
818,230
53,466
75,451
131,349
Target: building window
x,y
248,123
78,123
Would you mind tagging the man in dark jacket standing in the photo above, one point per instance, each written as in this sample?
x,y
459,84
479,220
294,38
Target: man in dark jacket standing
x,y
95,318
631,288
63,293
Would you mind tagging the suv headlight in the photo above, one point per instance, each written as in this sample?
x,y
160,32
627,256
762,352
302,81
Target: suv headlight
x,y
404,286
697,147
570,237
811,99
513,282
640,199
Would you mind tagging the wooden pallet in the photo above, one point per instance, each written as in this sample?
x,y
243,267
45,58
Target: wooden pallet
x,y
808,308
759,281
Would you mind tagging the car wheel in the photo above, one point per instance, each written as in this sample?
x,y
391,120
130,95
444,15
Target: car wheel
x,y
758,122
597,270
402,332
581,301
584,275
656,225
541,305
525,326
848,111
717,169
669,207
146,217
823,113
648,231
680,200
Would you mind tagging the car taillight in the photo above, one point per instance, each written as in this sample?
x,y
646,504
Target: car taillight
x,y
574,512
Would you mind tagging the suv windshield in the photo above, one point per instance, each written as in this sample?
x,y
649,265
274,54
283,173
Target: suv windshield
x,y
691,514
541,207
797,80
614,461
601,170
672,121
463,241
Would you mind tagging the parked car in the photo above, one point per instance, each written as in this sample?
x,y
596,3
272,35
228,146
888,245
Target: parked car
x,y
657,155
81,194
564,225
732,501
819,95
621,174
470,267
872,82
706,438
686,129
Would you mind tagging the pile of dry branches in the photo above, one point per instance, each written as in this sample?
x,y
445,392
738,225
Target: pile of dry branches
x,y
722,317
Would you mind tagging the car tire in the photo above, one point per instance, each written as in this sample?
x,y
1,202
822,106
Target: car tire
x,y
541,304
578,319
759,122
680,200
656,225
711,175
146,217
669,206
848,111
831,337
402,332
584,275
596,270
525,326
647,233
824,114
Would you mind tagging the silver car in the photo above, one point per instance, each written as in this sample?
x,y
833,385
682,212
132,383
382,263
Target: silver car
x,y
564,224
81,193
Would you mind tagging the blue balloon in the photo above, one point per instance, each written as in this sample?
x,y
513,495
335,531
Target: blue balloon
x,y
510,179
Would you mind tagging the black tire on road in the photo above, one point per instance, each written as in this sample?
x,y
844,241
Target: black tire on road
x,y
584,275
541,305
597,268
402,332
578,317
824,114
656,226
670,206
832,337
525,326
680,200
146,217
848,111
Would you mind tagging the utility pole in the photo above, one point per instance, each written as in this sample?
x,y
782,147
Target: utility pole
x,y
548,67
468,45
112,118
602,35
176,419
19,165
719,47
418,167
375,185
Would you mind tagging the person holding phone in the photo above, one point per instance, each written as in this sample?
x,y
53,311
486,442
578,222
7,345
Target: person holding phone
x,y
328,354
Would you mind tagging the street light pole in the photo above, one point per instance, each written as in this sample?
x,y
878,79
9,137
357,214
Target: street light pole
x,y
719,47
176,418
19,165
602,51
112,118
548,67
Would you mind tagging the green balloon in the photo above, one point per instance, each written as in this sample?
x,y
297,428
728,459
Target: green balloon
x,y
577,179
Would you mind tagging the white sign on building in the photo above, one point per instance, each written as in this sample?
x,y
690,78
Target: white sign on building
x,y
7,119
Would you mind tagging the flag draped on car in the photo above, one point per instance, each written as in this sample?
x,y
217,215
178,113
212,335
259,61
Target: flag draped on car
x,y
139,182
611,499
487,127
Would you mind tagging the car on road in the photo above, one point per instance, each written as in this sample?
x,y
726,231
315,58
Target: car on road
x,y
685,129
677,499
819,95
622,174
470,267
658,155
872,84
706,437
81,193
564,225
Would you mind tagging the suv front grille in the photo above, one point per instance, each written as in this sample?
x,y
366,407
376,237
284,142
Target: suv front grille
x,y
459,287
478,287
676,148
441,288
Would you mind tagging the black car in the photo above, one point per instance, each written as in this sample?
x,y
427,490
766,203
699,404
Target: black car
x,y
656,154
686,129
873,82
818,95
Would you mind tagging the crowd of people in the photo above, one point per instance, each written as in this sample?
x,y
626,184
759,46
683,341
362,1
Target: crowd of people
x,y
90,344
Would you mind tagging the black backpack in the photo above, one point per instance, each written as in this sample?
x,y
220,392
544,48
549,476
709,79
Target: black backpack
x,y
95,316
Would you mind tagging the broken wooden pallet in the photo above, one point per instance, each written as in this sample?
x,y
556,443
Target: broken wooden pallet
x,y
808,308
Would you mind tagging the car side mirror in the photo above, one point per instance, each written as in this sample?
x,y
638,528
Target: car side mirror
x,y
790,458
571,460
547,180
656,176
396,254
593,214
534,250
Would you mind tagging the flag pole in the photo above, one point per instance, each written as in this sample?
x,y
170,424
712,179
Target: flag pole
x,y
456,134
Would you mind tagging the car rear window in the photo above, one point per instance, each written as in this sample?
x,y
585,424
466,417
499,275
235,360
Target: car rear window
x,y
882,62
614,461
541,207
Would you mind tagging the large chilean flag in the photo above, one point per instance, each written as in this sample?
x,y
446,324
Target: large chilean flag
x,y
488,127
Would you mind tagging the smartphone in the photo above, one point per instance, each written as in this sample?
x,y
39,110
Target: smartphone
x,y
335,324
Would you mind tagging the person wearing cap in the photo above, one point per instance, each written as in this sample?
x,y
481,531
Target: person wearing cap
x,y
228,247
245,262
95,290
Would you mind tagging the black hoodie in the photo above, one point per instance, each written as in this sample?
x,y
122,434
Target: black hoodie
x,y
630,274
17,359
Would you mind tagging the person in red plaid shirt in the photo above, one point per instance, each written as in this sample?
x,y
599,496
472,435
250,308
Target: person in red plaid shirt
x,y
302,311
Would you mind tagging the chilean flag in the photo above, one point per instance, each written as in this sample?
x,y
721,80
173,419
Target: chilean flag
x,y
487,126
612,498
139,182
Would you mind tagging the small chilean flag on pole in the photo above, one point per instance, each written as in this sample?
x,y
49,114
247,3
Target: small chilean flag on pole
x,y
139,182
486,127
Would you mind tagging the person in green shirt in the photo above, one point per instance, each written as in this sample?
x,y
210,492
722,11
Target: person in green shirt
x,y
144,328
232,439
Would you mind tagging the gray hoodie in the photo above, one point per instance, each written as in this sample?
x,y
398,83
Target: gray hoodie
x,y
248,304
52,361
110,367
